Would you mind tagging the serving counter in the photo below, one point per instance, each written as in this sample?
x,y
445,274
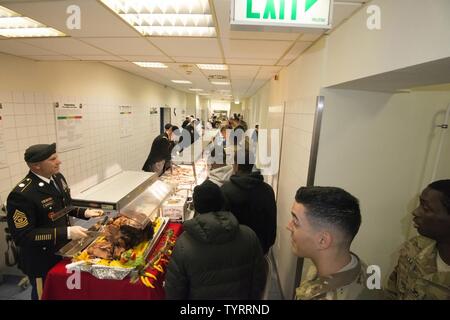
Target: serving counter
x,y
61,284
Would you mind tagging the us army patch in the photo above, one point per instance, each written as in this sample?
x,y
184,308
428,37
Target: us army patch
x,y
20,219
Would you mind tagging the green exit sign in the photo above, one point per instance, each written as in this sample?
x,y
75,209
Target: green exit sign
x,y
288,13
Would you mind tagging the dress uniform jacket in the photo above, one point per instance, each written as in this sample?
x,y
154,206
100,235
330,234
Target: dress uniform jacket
x,y
346,285
159,151
35,225
416,276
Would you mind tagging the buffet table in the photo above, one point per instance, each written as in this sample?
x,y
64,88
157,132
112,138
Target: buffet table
x,y
91,288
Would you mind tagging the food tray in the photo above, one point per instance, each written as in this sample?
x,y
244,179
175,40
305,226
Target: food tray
x,y
118,273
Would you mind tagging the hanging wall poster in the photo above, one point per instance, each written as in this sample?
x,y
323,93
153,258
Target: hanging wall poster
x,y
3,162
69,126
125,121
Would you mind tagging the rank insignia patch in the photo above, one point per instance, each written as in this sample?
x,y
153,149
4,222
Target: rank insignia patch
x,y
20,219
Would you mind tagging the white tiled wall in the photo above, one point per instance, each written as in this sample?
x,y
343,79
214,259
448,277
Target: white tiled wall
x,y
29,119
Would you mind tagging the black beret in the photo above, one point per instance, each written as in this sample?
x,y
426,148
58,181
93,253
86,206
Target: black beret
x,y
39,152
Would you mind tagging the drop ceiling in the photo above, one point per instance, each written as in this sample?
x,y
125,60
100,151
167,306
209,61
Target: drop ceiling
x,y
253,58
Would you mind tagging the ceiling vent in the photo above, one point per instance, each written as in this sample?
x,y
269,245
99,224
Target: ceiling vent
x,y
217,77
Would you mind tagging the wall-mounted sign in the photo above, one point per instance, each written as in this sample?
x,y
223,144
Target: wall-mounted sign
x,y
153,111
126,121
69,126
282,13
3,159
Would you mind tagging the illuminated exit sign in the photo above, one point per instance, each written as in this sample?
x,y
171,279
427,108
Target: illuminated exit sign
x,y
282,13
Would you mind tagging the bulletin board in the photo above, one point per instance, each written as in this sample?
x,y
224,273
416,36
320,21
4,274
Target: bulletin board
x,y
126,121
69,126
3,159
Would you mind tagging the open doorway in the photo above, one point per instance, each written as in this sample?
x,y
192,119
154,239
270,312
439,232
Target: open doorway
x,y
165,117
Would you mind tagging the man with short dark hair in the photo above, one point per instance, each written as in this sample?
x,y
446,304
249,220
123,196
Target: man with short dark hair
x,y
423,268
37,214
159,157
324,222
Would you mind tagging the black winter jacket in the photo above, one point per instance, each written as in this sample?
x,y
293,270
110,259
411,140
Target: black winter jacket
x,y
215,258
252,201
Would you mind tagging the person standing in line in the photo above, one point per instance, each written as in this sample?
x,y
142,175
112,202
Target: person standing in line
x,y
324,222
423,268
251,199
215,257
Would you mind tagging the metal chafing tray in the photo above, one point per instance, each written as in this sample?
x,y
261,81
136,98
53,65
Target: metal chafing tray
x,y
117,273
116,192
142,206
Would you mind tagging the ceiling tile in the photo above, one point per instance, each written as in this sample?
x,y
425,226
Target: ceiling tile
x,y
125,46
260,35
243,72
96,19
17,47
311,36
255,49
197,59
146,58
66,46
97,58
188,47
252,62
295,52
51,58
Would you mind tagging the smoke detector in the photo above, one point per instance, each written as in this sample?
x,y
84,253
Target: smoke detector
x,y
187,68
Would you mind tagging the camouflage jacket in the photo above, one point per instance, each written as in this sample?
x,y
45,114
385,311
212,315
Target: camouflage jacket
x,y
345,285
416,277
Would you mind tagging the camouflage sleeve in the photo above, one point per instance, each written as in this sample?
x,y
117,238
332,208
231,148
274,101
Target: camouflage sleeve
x,y
390,291
21,217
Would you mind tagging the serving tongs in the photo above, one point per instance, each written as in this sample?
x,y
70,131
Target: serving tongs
x,y
76,246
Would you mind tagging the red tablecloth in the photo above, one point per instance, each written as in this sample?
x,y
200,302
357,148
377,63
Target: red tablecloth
x,y
91,288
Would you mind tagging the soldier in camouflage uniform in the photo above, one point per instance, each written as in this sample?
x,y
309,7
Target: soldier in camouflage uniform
x,y
423,268
324,222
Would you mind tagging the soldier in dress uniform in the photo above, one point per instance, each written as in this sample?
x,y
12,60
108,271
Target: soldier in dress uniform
x,y
36,219
159,158
324,222
423,268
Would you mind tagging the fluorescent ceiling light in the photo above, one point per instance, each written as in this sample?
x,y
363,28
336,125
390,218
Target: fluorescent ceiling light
x,y
14,25
195,89
213,66
221,83
158,65
166,17
182,81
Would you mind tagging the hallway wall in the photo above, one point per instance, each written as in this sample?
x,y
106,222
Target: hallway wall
x,y
298,87
412,32
408,36
381,148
